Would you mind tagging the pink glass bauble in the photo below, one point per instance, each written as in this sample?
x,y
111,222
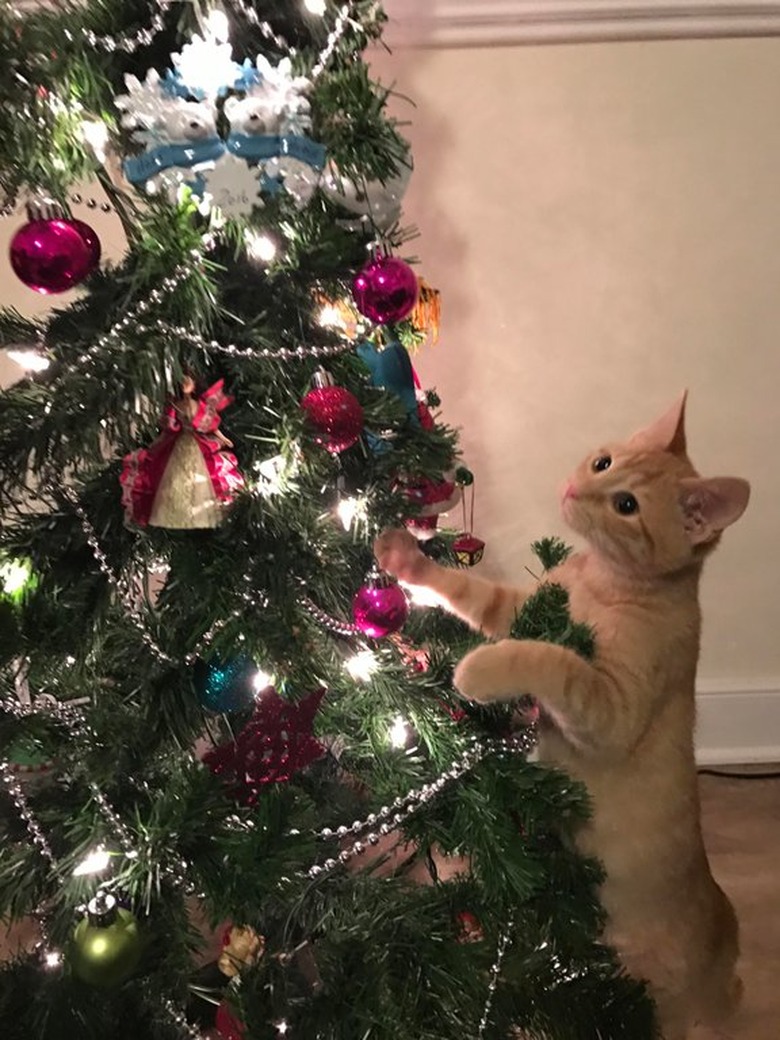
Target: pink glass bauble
x,y
379,610
337,416
90,237
51,256
228,1026
386,290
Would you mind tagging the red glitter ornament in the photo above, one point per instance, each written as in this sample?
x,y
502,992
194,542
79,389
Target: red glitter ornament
x,y
380,608
334,412
386,290
275,744
52,255
228,1026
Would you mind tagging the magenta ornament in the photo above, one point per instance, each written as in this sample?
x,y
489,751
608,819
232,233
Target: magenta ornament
x,y
51,256
91,239
380,608
386,290
336,415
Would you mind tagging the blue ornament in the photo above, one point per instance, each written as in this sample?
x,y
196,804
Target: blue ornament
x,y
391,369
226,686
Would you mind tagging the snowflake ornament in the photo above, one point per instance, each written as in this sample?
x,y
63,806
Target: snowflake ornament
x,y
232,187
205,68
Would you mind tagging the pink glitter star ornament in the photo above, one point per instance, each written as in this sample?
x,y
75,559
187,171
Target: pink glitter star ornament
x,y
276,743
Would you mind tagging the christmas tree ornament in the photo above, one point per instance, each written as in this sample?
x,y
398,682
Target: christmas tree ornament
x,y
426,316
390,368
375,204
31,765
226,686
275,744
241,948
385,290
380,607
50,254
335,413
227,1025
432,497
186,479
106,944
469,928
468,549
91,240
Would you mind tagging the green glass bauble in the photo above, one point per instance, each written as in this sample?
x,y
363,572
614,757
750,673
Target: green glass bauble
x,y
106,943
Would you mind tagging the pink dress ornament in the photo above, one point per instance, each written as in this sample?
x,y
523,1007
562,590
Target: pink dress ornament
x,y
186,479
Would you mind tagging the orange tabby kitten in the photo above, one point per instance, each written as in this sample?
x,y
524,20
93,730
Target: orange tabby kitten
x,y
623,723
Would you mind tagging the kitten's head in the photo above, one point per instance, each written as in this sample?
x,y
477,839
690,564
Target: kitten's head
x,y
644,506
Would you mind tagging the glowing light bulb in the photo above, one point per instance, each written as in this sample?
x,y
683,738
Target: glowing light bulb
x,y
261,680
217,25
29,360
14,576
52,959
349,510
95,133
330,317
362,666
94,862
271,475
260,247
399,732
315,6
282,1028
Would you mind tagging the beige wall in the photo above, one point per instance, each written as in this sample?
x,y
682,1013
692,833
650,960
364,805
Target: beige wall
x,y
604,223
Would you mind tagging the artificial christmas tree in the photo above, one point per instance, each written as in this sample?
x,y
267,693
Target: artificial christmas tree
x,y
229,747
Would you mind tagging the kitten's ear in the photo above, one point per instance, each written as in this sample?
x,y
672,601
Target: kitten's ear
x,y
666,433
709,506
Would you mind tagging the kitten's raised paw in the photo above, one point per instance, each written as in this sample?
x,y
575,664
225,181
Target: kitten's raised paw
x,y
485,674
399,555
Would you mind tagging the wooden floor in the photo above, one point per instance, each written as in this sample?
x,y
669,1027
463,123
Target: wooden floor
x,y
742,831
741,821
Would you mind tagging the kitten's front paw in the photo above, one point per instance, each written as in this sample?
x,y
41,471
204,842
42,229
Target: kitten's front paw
x,y
485,674
399,555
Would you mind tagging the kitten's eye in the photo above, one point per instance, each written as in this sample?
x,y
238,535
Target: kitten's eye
x,y
625,503
602,462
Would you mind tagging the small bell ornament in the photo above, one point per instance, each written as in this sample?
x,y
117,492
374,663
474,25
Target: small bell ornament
x,y
106,944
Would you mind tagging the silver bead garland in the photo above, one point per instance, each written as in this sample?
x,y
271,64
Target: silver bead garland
x,y
403,807
495,973
19,798
265,28
178,1018
331,624
341,23
300,353
130,43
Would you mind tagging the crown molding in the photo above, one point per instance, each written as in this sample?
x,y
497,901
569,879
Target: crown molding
x,y
464,23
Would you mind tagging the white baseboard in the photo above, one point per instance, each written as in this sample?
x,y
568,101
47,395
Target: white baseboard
x,y
737,724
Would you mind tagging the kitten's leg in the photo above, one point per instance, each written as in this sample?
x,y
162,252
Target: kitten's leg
x,y
588,703
482,604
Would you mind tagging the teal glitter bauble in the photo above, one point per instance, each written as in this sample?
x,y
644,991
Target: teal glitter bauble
x,y
226,686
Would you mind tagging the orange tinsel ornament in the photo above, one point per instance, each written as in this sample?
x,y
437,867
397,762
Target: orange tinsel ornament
x,y
426,316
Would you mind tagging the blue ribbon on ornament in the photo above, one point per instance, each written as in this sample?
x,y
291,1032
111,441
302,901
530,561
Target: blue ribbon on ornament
x,y
256,147
140,168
